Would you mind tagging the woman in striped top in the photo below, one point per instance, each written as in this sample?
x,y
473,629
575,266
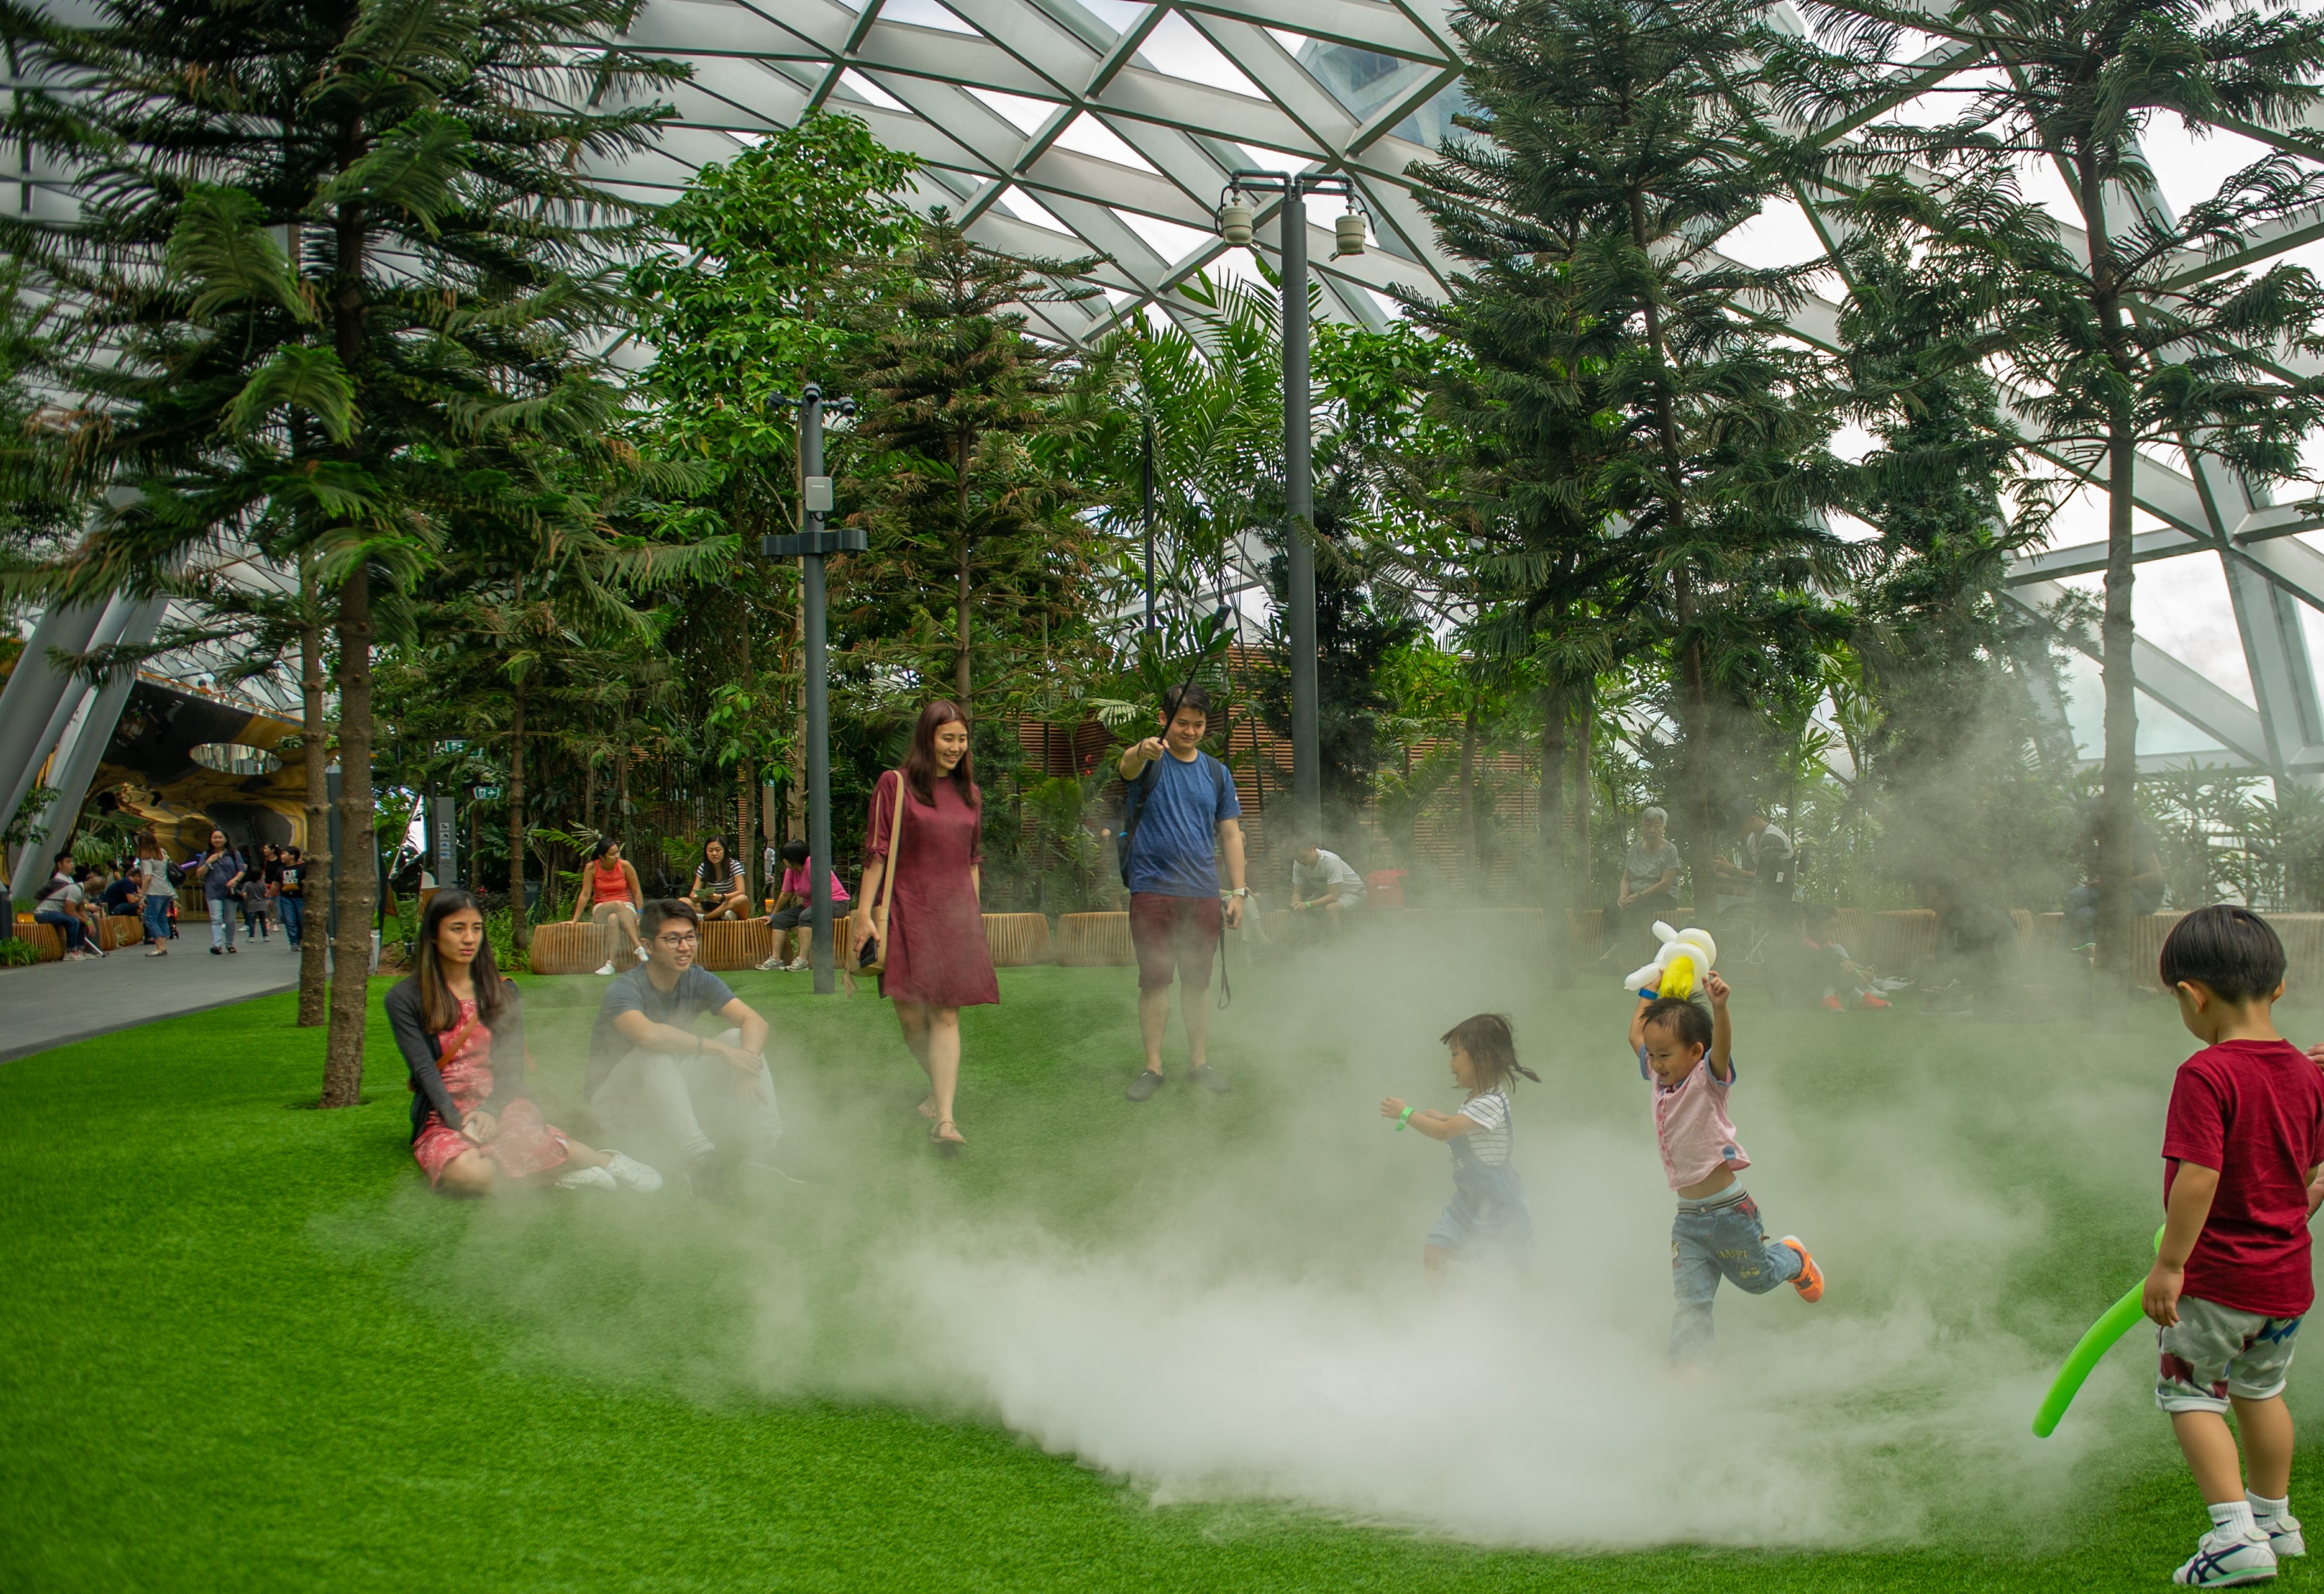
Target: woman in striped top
x,y
1487,1208
720,891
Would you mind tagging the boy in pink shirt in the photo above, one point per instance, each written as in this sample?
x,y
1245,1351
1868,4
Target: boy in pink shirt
x,y
1687,1056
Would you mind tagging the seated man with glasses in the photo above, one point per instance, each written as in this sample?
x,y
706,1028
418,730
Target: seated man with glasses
x,y
650,1072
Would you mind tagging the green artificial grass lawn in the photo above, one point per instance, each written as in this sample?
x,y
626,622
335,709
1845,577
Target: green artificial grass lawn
x,y
243,1349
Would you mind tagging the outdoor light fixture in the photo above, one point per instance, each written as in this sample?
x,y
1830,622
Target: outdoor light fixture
x,y
1235,219
1350,231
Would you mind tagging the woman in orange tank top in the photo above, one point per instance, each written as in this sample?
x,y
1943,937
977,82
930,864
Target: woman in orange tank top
x,y
610,895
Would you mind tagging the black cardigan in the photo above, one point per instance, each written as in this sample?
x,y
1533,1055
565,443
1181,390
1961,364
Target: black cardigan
x,y
422,1051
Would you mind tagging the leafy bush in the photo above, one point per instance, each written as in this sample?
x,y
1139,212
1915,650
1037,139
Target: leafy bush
x,y
16,954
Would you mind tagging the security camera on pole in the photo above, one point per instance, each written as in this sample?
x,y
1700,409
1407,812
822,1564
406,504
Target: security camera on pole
x,y
810,547
1236,219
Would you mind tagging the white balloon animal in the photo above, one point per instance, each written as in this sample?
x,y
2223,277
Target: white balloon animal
x,y
1687,955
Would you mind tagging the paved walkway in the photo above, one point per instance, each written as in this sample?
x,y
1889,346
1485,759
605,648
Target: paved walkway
x,y
49,1004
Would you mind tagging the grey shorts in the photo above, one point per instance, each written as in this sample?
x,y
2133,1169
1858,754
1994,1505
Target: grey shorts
x,y
2214,1351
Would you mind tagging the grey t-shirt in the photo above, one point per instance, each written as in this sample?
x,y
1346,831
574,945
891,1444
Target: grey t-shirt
x,y
696,993
1330,870
1643,870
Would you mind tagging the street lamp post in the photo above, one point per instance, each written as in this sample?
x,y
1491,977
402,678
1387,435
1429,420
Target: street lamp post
x,y
811,547
1235,224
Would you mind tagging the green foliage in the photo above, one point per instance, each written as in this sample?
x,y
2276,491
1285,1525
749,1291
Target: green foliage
x,y
15,952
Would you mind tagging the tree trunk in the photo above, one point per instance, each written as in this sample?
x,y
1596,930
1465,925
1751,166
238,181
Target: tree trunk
x,y
1583,711
1555,867
2117,811
314,881
520,919
1469,838
358,873
963,683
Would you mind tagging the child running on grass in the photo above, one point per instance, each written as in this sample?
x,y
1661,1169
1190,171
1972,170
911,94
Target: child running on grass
x,y
1687,1056
1489,1204
2244,1138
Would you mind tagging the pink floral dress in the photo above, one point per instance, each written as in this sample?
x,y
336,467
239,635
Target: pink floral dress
x,y
522,1141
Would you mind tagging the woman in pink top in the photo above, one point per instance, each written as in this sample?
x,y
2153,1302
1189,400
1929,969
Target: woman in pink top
x,y
791,910
1687,1056
610,895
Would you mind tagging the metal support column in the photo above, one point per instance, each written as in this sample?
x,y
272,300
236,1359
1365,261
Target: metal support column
x,y
84,742
40,699
811,547
1299,490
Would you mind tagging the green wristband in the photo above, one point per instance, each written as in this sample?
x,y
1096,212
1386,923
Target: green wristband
x,y
1402,1119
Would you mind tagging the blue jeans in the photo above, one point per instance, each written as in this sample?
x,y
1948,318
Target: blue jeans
x,y
222,912
157,920
1722,1240
294,916
68,925
2082,910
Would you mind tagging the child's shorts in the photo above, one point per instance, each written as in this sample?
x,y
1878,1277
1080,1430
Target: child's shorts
x,y
1487,1210
2214,1351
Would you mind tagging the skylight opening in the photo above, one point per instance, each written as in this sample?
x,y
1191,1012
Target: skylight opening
x,y
1176,49
1026,116
868,92
1086,135
1167,239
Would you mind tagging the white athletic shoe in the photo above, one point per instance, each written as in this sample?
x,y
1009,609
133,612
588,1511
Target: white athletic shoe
x,y
2228,1558
631,1174
641,955
608,968
2283,1537
798,965
599,1179
773,965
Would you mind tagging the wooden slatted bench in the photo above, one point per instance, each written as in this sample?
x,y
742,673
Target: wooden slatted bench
x,y
115,931
570,948
1019,939
728,944
1095,940
44,939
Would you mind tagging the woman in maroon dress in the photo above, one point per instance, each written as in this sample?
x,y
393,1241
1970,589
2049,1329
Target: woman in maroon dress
x,y
936,960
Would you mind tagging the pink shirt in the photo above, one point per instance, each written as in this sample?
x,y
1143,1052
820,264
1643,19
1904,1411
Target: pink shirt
x,y
1692,1125
795,882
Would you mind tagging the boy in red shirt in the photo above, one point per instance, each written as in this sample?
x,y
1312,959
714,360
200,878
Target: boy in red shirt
x,y
2231,1281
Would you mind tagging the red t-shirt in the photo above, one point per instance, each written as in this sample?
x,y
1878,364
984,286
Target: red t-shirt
x,y
2254,1111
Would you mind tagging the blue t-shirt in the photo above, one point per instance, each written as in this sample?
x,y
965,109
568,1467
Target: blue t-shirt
x,y
697,991
1174,850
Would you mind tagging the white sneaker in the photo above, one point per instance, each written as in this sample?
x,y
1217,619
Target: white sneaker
x,y
797,966
641,955
632,1173
599,1179
2283,1536
773,965
2227,1558
608,968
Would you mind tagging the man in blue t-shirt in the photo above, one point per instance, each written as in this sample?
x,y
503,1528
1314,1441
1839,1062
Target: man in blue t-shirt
x,y
649,1070
1183,812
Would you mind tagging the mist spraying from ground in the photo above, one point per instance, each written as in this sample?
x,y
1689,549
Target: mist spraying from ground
x,y
1220,1297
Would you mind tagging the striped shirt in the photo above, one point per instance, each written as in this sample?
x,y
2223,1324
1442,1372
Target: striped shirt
x,y
1489,1140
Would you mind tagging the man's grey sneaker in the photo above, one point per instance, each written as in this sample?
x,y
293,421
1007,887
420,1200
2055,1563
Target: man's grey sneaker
x,y
2283,1536
1144,1086
587,1179
798,965
1208,1078
631,1174
2227,1558
772,965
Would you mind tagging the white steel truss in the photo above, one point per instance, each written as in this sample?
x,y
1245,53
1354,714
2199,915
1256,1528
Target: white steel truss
x,y
1109,127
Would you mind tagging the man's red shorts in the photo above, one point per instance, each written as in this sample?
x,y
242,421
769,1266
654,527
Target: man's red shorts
x,y
1176,937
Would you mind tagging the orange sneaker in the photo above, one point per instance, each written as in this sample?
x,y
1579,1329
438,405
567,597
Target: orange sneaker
x,y
1871,1003
1831,1004
1810,1282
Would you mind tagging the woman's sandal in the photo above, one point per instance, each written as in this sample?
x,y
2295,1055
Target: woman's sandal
x,y
952,1142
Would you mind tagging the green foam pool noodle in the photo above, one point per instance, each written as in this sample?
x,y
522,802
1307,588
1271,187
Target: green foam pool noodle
x,y
2088,1349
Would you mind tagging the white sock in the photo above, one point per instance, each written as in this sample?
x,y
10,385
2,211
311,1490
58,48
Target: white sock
x,y
2266,1510
2235,1515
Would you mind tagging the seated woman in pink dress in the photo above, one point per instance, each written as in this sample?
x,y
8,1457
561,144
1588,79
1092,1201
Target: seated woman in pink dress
x,y
936,960
460,1027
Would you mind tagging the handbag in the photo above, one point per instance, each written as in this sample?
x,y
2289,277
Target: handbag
x,y
874,960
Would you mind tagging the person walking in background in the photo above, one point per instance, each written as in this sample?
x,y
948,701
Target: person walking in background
x,y
791,908
720,891
1180,813
1649,881
460,1026
290,895
157,891
925,846
222,870
256,903
610,895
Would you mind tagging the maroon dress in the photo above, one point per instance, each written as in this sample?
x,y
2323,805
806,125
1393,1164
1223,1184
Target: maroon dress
x,y
936,949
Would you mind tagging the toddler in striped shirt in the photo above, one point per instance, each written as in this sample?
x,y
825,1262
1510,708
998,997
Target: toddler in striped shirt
x,y
1488,1208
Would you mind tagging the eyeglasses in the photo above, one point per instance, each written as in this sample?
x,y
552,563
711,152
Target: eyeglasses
x,y
678,940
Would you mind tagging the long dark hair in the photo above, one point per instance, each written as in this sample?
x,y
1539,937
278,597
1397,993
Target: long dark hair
x,y
440,1009
921,763
1493,1046
724,869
